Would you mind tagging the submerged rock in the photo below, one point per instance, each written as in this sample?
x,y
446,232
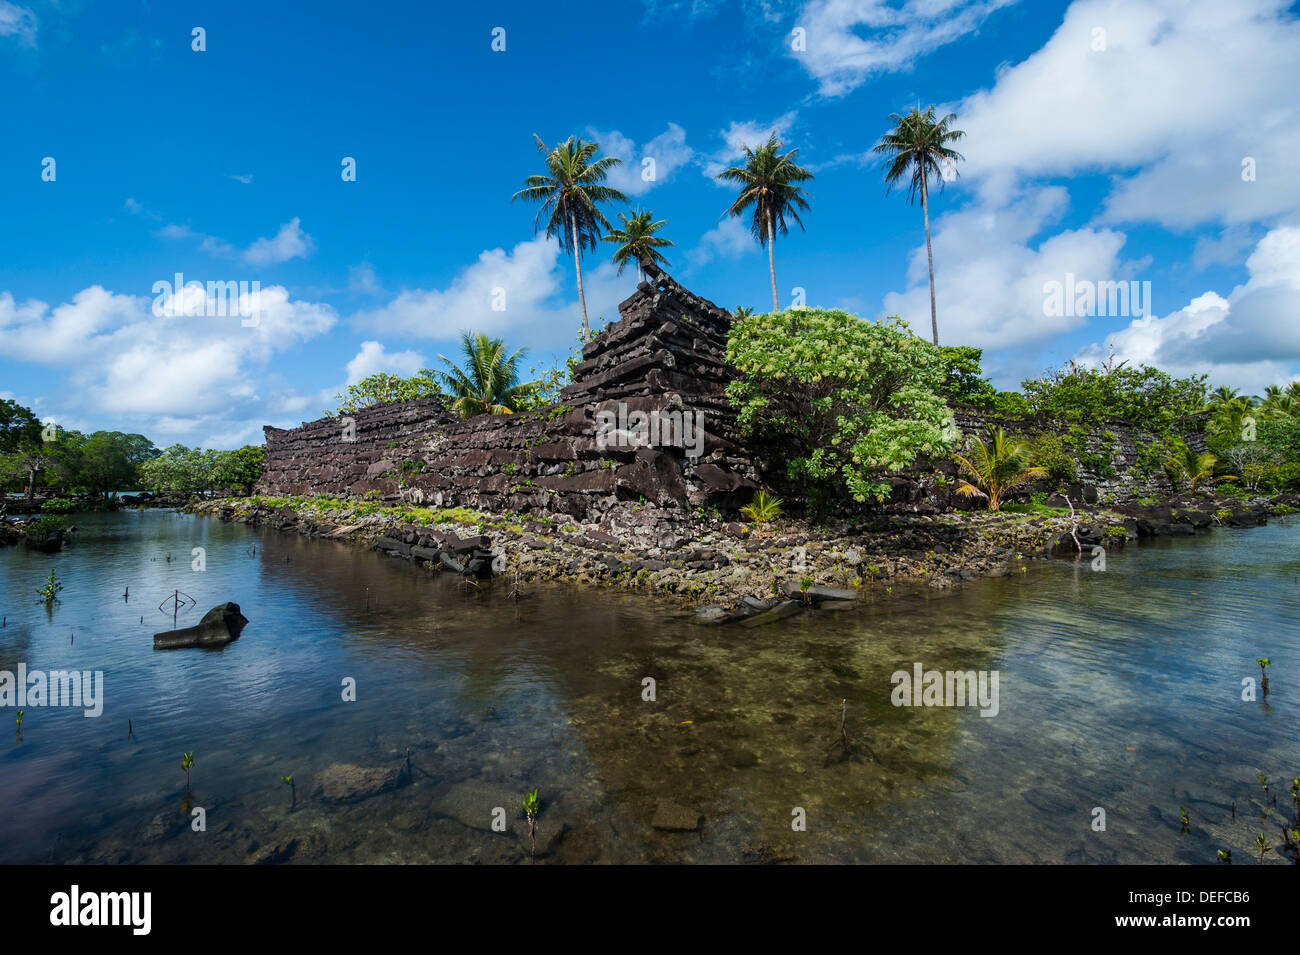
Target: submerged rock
x,y
219,626
345,783
673,817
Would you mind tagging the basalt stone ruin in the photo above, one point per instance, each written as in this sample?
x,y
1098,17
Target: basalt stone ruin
x,y
646,420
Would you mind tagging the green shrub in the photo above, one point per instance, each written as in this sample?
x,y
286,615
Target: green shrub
x,y
58,505
1050,452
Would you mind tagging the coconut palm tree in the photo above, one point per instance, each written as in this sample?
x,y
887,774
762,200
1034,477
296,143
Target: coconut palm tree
x,y
570,195
638,241
741,312
996,467
1188,466
917,149
489,381
768,186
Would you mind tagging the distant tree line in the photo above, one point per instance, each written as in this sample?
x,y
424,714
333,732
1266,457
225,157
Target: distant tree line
x,y
38,457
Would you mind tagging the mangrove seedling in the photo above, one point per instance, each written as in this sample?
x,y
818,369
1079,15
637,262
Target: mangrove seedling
x,y
1263,845
19,722
293,790
1263,781
1263,662
805,584
49,593
1225,856
531,806
187,764
1182,811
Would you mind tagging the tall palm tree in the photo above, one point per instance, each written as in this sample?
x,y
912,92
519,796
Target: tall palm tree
x,y
570,194
996,467
638,241
489,381
917,149
768,185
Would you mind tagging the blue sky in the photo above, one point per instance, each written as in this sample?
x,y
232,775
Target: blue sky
x,y
1151,140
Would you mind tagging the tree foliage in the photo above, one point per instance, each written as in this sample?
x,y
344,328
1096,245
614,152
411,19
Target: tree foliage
x,y
848,399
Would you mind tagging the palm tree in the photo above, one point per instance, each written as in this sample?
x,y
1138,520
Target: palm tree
x,y
489,381
1186,465
1223,396
767,182
917,148
570,195
639,242
996,467
741,312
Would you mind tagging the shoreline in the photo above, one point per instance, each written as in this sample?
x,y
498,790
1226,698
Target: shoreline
x,y
733,573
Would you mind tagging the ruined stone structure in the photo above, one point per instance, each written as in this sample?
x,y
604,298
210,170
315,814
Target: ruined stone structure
x,y
647,419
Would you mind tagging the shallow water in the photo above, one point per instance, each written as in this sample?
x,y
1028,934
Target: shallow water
x,y
1118,689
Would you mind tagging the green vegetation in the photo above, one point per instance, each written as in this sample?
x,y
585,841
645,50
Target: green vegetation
x,y
489,381
58,505
50,590
182,470
382,387
638,242
532,806
763,508
847,399
996,467
570,194
769,191
1188,467
917,151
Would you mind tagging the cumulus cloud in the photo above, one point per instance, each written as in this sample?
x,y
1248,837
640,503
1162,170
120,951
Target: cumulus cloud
x,y
373,357
289,243
157,369
990,274
1248,338
849,41
511,294
667,151
1171,96
739,134
730,239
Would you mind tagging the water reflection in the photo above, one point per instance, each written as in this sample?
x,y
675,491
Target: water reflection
x,y
1119,690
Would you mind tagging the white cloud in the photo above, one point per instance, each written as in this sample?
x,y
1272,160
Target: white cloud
x,y
289,243
163,374
989,278
1182,92
373,357
1248,339
17,22
668,150
738,135
730,239
849,41
524,281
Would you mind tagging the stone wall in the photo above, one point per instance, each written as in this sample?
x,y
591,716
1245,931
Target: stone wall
x,y
664,359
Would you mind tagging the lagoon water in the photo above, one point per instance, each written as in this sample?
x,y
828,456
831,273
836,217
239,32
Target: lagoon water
x,y
1119,690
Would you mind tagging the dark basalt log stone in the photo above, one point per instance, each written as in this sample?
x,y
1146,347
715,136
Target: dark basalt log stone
x,y
219,626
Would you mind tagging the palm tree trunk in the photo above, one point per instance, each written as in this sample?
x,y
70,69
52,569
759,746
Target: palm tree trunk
x,y
31,485
771,257
577,261
929,254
